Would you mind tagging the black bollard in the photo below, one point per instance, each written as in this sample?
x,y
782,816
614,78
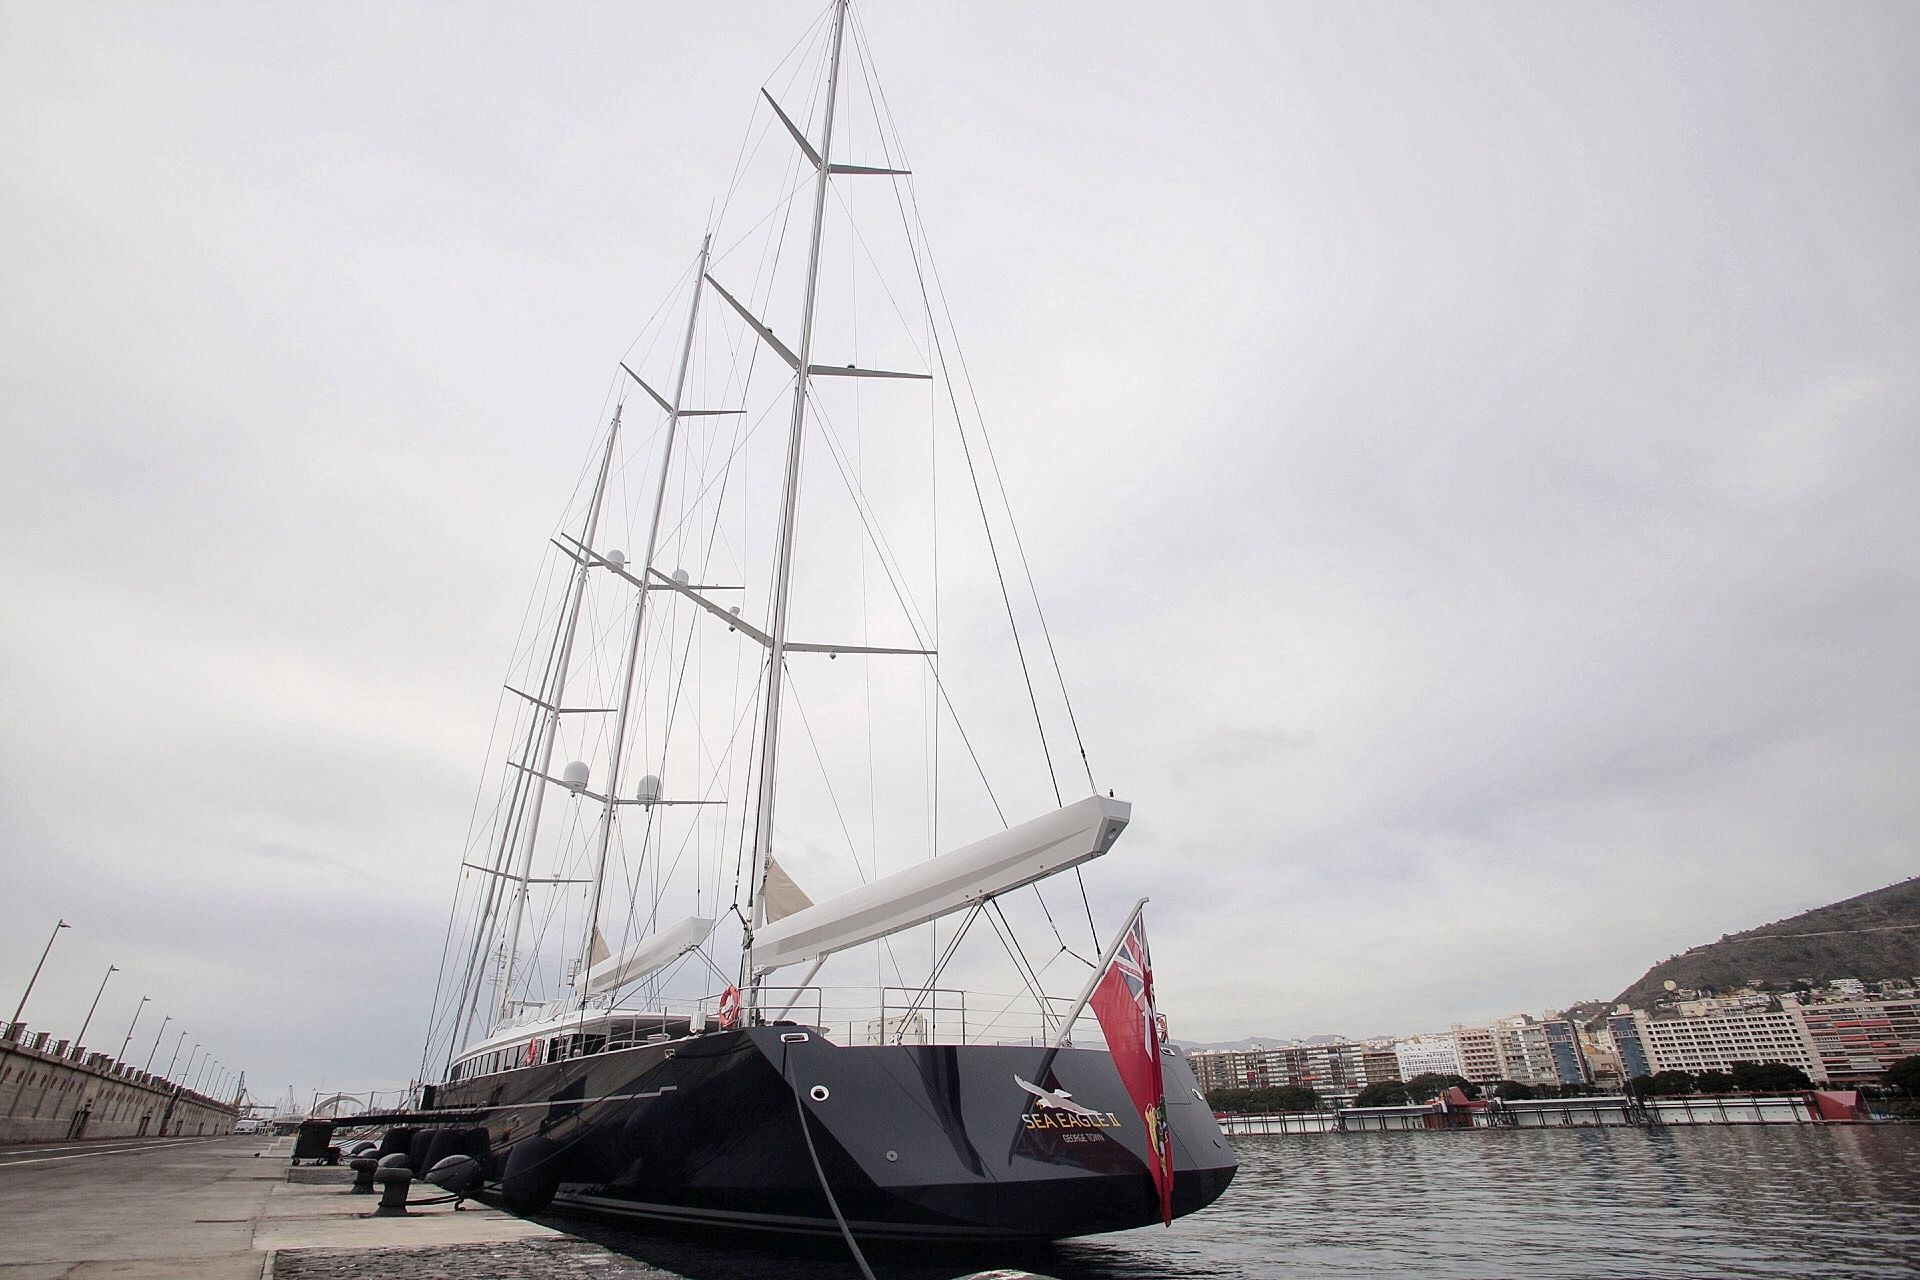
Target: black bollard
x,y
363,1167
394,1183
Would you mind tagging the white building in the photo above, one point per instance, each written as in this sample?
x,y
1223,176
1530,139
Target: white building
x,y
1428,1055
1715,1041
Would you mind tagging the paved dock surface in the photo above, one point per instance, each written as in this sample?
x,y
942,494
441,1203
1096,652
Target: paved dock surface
x,y
231,1209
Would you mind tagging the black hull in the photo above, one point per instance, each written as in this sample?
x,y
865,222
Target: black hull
x,y
924,1143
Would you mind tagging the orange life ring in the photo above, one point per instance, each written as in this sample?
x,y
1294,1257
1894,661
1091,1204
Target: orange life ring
x,y
729,1008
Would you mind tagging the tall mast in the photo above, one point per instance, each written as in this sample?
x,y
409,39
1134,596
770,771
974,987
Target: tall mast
x,y
552,696
633,639
783,571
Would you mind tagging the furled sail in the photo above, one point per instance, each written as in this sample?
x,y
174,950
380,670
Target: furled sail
x,y
647,956
1021,854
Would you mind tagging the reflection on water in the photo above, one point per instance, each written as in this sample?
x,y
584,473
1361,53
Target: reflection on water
x,y
1706,1202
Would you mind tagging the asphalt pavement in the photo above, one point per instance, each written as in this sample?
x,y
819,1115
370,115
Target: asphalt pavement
x,y
153,1208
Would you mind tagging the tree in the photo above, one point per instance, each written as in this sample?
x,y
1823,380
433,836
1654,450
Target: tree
x,y
1714,1082
1763,1077
1667,1084
1904,1076
1263,1099
1292,1097
1429,1085
1512,1091
1388,1093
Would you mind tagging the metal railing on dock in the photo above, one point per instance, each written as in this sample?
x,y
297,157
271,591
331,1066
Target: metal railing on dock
x,y
1600,1111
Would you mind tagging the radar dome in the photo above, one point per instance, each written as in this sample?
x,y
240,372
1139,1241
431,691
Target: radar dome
x,y
574,776
649,789
617,558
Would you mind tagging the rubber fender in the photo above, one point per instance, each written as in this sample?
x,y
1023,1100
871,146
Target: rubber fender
x,y
532,1177
417,1150
398,1139
472,1141
439,1145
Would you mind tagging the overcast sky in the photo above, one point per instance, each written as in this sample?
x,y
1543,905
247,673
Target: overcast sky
x,y
1467,453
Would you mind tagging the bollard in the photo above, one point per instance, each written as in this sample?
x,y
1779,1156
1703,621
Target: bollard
x,y
363,1167
394,1184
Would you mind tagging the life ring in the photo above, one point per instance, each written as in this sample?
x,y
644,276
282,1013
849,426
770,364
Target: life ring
x,y
532,1055
729,1008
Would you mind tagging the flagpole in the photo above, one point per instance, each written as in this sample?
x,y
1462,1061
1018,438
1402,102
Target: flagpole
x,y
1099,971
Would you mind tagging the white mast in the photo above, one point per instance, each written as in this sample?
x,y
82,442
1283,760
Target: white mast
x,y
633,639
552,695
783,571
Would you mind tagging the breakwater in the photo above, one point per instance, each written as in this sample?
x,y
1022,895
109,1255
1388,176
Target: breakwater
x,y
50,1090
1558,1113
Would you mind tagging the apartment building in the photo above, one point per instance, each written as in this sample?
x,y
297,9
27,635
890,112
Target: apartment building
x,y
1856,1040
1715,1041
1479,1051
1336,1072
1427,1055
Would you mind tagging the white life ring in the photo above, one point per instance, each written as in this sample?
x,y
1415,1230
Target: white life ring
x,y
729,1008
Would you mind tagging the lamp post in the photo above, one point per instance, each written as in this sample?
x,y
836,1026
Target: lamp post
x,y
36,973
186,1072
168,1073
156,1042
122,1055
82,1037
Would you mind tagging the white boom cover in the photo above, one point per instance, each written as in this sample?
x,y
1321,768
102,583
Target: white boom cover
x,y
1033,850
647,956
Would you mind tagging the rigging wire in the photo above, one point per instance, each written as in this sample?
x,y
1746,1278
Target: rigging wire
x,y
920,244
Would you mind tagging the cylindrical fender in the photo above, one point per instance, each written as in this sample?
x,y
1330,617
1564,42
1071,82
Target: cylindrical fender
x,y
532,1177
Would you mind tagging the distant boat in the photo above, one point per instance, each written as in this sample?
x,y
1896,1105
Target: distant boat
x,y
682,1076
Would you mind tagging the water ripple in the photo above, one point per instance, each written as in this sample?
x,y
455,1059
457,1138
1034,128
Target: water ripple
x,y
1830,1202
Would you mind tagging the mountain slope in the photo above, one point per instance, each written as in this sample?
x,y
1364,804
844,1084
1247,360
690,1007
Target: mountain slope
x,y
1873,936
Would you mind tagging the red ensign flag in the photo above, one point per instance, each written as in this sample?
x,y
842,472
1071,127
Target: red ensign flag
x,y
1123,1001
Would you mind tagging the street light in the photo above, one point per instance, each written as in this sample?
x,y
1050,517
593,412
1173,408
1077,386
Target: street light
x,y
122,1055
82,1037
156,1042
186,1072
168,1073
36,973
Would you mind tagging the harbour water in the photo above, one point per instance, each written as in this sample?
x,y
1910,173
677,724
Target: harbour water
x,y
1817,1201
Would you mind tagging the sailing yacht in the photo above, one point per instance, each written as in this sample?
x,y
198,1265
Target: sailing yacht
x,y
667,997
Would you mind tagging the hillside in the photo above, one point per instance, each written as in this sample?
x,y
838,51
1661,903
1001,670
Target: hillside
x,y
1873,936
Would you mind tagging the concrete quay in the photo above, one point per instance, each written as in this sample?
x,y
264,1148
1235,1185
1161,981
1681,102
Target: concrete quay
x,y
230,1208
51,1090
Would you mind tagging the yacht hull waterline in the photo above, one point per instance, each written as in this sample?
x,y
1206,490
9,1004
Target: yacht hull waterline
x,y
933,1143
